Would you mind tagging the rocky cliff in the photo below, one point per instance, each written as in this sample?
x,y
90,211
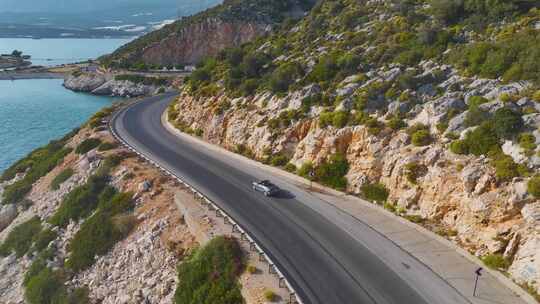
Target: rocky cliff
x,y
354,95
196,41
191,39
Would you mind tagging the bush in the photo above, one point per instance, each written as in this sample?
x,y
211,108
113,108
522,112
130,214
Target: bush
x,y
61,178
289,167
106,146
396,123
306,169
375,192
251,269
413,171
533,186
210,274
478,142
43,239
527,141
37,164
80,202
284,76
475,101
505,167
279,160
475,116
507,123
87,145
19,240
47,287
332,172
269,295
496,261
96,237
421,138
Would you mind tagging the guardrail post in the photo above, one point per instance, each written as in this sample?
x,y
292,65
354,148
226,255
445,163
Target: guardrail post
x,y
261,257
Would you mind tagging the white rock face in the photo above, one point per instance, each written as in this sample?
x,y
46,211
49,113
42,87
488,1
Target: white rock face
x,y
7,214
98,84
84,82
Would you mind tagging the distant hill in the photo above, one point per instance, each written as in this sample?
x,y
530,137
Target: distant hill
x,y
78,6
50,19
191,39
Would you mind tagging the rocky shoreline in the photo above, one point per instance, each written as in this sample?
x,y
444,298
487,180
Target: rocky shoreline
x,y
107,85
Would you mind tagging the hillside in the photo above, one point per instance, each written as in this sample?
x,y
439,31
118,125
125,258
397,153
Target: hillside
x,y
193,38
429,108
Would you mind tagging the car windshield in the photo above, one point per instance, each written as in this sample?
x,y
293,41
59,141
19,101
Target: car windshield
x,y
267,183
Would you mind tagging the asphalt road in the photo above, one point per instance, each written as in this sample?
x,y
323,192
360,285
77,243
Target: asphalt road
x,y
326,263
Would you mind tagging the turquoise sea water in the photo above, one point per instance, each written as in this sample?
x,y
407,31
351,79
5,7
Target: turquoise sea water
x,y
49,52
33,112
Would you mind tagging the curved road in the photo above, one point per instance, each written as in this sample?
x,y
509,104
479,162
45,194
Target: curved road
x,y
324,260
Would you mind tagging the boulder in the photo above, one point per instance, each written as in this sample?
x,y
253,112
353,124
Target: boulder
x,y
531,213
7,214
84,82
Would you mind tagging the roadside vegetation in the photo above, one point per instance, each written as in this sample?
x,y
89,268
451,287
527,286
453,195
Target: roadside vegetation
x,y
61,178
210,275
34,166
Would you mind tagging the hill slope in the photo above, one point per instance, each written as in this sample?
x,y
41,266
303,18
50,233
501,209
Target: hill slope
x,y
188,41
430,107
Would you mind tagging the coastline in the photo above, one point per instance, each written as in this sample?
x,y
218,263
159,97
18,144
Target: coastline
x,y
33,75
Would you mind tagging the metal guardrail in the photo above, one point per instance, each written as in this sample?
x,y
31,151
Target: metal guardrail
x,y
294,298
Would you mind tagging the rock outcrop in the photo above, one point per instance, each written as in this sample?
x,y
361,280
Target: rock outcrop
x,y
99,84
200,40
457,195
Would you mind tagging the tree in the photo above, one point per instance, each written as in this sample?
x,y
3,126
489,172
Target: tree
x,y
507,123
446,10
16,53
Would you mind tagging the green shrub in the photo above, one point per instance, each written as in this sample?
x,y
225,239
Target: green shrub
x,y
533,186
97,236
290,167
496,261
270,296
507,123
80,202
475,116
43,239
536,96
413,171
37,164
459,147
421,138
47,287
396,123
251,269
87,145
475,101
340,119
480,141
61,178
527,141
19,240
417,219
106,146
210,274
332,172
375,192
279,160
306,169
505,167
284,76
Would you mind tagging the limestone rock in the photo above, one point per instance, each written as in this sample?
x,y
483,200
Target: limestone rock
x,y
7,214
